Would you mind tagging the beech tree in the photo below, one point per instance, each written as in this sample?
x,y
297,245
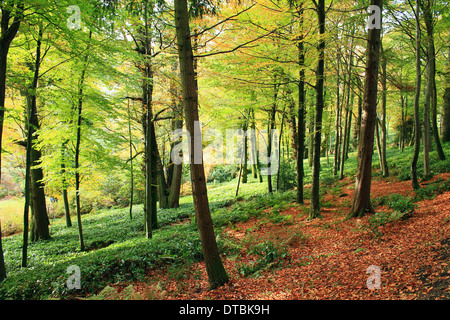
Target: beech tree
x,y
217,274
361,200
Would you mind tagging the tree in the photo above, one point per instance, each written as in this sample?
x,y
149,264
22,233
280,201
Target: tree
x,y
217,275
301,107
11,10
415,182
361,200
446,116
430,92
40,221
315,201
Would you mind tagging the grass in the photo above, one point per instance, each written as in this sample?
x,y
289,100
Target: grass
x,y
11,216
176,244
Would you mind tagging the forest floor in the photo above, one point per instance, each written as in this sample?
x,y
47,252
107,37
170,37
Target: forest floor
x,y
328,257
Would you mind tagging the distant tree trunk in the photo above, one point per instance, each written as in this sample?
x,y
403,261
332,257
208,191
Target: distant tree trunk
x,y
256,168
431,94
361,200
446,106
64,185
217,274
384,167
271,127
301,110
337,144
130,145
415,182
315,201
7,35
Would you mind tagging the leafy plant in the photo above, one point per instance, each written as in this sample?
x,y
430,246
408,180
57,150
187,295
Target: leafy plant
x,y
268,255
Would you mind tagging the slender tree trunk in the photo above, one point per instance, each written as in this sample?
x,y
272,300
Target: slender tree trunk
x,y
361,201
217,274
446,106
431,94
426,135
315,199
301,110
271,127
384,167
27,189
130,137
78,148
337,144
415,182
64,185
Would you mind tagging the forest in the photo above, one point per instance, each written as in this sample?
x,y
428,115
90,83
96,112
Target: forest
x,y
237,150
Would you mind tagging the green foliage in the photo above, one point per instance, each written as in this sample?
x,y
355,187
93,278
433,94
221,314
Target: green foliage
x,y
395,202
222,173
268,255
287,175
432,189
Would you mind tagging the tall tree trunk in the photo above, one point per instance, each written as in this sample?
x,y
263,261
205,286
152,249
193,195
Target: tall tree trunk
x,y
40,221
415,182
301,110
151,170
426,135
217,274
130,145
78,147
27,189
315,201
361,201
7,35
431,75
271,127
446,106
384,167
337,144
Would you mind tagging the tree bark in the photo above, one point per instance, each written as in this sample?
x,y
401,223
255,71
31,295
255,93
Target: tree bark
x,y
384,167
431,76
446,106
301,110
315,201
8,33
217,275
415,182
361,201
40,221
78,147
